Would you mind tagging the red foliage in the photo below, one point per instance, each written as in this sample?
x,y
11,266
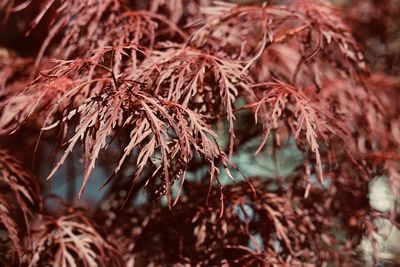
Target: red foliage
x,y
155,94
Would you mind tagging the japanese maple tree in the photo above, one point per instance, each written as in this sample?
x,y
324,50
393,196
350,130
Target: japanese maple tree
x,y
161,102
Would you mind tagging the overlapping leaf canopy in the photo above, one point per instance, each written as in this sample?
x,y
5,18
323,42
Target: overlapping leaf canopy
x,y
153,92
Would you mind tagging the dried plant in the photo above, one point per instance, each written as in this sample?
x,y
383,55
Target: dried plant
x,y
159,102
